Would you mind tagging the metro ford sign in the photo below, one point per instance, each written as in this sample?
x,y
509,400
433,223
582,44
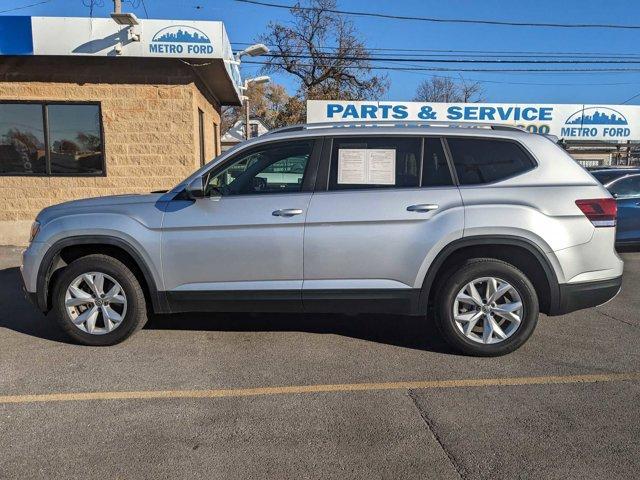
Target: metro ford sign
x,y
572,122
181,39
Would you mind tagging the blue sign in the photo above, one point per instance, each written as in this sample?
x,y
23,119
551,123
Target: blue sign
x,y
15,35
616,123
181,39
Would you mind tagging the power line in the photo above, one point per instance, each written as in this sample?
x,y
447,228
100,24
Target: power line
x,y
328,50
144,6
445,20
443,69
449,60
483,52
629,99
25,6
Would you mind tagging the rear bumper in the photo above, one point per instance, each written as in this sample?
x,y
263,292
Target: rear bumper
x,y
577,296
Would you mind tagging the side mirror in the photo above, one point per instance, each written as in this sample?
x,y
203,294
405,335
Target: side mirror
x,y
195,188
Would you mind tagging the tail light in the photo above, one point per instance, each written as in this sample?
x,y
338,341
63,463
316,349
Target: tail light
x,y
602,212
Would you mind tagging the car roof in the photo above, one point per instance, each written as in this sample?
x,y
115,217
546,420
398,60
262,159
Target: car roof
x,y
408,129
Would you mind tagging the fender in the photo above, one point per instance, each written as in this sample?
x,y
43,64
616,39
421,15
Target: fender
x,y
480,240
158,300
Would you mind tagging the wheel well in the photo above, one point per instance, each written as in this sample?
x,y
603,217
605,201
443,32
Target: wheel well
x,y
73,252
518,256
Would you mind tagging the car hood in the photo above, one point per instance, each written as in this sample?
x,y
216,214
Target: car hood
x,y
109,203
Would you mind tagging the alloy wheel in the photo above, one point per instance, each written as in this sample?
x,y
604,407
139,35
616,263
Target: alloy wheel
x,y
96,303
488,310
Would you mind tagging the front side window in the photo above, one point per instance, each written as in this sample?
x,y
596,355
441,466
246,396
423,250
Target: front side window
x,y
626,187
277,168
479,160
375,162
50,139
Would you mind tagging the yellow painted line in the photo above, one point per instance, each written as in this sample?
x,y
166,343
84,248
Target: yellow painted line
x,y
309,389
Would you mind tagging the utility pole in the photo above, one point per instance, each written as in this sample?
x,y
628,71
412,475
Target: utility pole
x,y
117,6
246,117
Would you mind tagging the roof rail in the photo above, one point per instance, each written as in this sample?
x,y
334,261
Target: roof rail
x,y
394,123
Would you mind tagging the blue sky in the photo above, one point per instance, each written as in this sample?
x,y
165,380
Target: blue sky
x,y
245,22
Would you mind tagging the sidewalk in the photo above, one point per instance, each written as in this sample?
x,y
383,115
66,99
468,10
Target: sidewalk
x,y
10,256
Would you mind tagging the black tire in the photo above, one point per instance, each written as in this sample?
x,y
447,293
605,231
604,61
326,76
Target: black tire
x,y
474,269
136,313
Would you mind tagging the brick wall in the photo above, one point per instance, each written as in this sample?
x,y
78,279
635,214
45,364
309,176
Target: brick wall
x,y
150,121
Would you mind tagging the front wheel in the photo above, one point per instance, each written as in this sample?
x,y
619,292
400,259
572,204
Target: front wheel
x,y
487,308
98,301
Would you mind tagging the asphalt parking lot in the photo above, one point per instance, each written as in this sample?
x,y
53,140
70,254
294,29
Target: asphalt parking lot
x,y
288,396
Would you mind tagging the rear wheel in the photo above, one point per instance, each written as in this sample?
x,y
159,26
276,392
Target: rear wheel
x,y
99,301
487,308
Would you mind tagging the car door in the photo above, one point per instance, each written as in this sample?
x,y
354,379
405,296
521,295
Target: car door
x,y
627,194
242,244
377,218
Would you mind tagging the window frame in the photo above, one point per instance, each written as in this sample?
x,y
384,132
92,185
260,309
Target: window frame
x,y
452,165
324,173
45,124
201,142
309,175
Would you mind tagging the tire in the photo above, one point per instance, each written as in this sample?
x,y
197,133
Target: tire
x,y
468,337
129,304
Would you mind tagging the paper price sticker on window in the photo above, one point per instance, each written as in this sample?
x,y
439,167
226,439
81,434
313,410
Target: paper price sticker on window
x,y
366,166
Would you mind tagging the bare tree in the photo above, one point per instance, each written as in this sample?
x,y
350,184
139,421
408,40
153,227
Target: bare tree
x,y
268,102
322,50
445,89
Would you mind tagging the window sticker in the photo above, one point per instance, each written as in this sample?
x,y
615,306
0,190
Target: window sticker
x,y
367,166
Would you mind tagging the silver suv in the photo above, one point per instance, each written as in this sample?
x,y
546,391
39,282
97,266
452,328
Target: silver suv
x,y
479,228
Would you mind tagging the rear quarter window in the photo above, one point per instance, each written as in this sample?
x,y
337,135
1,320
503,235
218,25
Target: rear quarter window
x,y
478,160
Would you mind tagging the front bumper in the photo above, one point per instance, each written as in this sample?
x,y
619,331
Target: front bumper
x,y
576,296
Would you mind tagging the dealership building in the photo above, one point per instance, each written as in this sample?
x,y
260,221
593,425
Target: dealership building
x,y
89,107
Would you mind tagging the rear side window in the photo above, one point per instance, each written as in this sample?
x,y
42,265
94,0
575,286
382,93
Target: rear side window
x,y
486,160
375,162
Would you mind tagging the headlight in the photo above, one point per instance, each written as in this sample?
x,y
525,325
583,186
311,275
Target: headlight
x,y
35,228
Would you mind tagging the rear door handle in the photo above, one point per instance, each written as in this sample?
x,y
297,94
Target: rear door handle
x,y
422,207
287,212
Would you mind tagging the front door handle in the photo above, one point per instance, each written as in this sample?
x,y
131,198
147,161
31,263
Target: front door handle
x,y
287,212
422,207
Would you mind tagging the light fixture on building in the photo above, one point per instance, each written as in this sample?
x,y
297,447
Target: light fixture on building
x,y
125,19
129,20
256,81
253,51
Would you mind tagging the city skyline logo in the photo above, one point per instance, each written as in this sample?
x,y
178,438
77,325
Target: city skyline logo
x,y
181,34
597,116
179,40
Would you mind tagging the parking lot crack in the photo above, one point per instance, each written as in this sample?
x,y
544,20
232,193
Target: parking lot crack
x,y
430,428
608,315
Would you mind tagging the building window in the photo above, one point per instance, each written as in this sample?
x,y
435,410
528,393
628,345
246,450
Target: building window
x,y
51,139
201,135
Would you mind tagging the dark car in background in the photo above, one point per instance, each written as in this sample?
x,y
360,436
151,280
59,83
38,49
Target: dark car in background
x,y
624,185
